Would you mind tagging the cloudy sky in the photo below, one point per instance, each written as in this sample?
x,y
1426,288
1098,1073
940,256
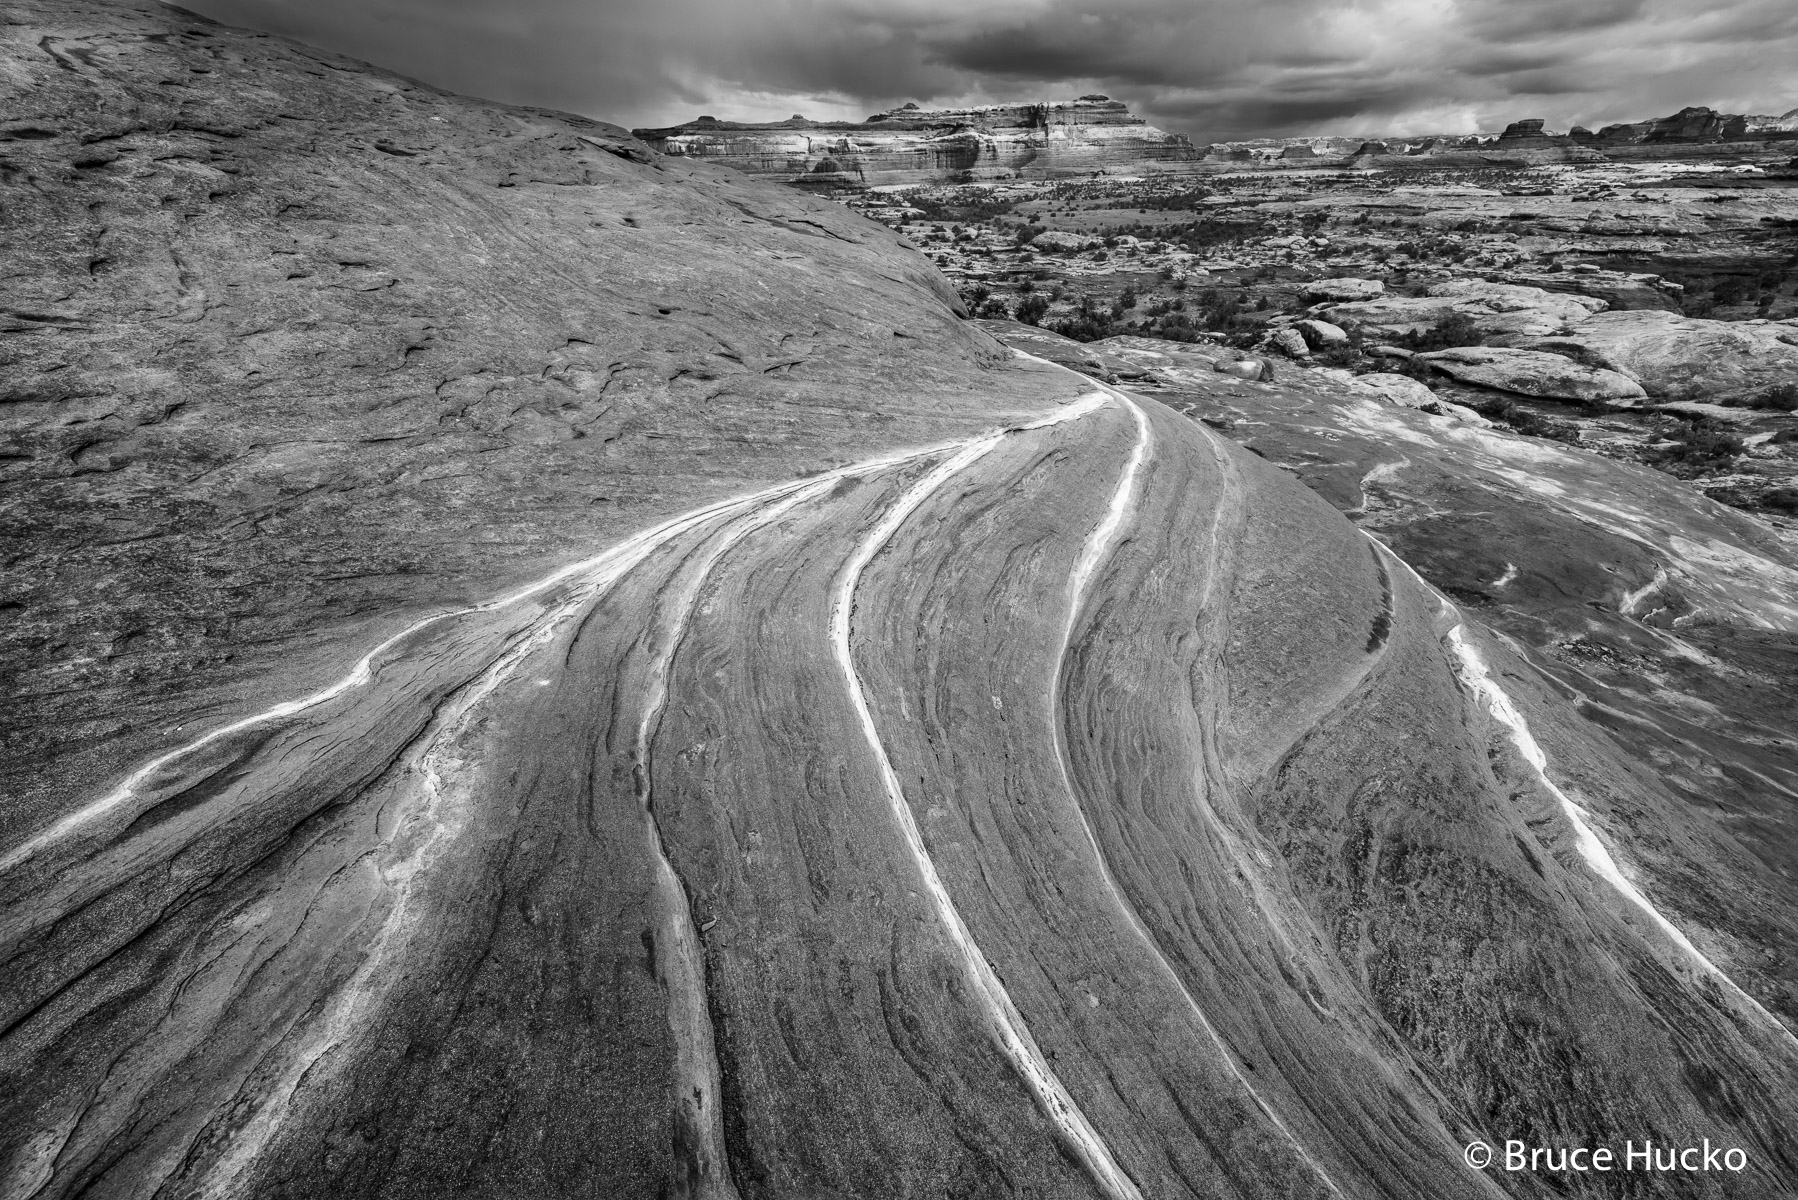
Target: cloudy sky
x,y
1210,68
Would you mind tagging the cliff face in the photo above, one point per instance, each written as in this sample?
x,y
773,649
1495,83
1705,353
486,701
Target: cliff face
x,y
912,145
1094,134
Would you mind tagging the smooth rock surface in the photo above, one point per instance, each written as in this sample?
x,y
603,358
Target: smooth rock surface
x,y
1343,290
1683,358
1493,308
1620,290
1407,392
1321,334
543,670
1535,373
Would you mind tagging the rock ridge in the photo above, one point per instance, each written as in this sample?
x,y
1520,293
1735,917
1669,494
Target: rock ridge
x,y
911,145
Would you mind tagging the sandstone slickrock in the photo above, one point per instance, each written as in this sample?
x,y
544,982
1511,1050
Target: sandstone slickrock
x,y
1682,358
1620,290
911,145
1321,333
1535,373
1493,308
543,669
1406,391
1344,289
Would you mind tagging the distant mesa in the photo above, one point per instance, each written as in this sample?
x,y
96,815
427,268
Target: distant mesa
x,y
1096,135
1524,142
912,145
1530,127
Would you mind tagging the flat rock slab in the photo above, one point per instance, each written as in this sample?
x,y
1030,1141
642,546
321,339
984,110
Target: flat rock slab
x,y
1535,373
1682,358
1493,308
1344,289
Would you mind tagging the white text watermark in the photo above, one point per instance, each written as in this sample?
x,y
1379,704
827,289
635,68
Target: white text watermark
x,y
1633,1156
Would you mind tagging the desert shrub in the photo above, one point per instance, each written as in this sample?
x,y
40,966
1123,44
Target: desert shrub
x,y
1696,447
1031,309
1528,421
1456,329
1781,397
1731,291
1082,327
1422,372
1087,323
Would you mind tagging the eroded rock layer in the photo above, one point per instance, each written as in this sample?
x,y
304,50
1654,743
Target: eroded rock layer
x,y
541,669
911,145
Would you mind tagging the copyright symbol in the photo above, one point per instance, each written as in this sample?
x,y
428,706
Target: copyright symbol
x,y
1478,1155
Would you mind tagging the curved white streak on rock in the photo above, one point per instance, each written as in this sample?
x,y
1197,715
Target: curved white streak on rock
x,y
1473,671
1007,1023
436,817
1098,546
639,543
1627,606
698,1111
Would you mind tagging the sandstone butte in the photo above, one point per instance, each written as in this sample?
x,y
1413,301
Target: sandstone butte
x,y
539,668
1098,135
910,145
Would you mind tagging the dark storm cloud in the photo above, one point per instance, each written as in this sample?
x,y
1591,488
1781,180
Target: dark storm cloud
x,y
1533,19
1213,68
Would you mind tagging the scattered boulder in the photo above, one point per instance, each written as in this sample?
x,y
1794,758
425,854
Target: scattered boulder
x,y
1243,368
1056,239
1343,290
1406,392
1682,358
1535,373
1400,389
1321,334
1290,342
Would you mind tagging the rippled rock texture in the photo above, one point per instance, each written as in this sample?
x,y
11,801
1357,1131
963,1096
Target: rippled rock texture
x,y
539,669
910,145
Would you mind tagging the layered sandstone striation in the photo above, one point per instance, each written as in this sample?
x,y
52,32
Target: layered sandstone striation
x,y
1097,135
539,668
909,145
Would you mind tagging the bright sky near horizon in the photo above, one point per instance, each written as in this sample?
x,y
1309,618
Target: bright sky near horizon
x,y
1209,68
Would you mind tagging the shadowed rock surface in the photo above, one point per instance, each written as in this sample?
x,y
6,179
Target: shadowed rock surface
x,y
540,669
